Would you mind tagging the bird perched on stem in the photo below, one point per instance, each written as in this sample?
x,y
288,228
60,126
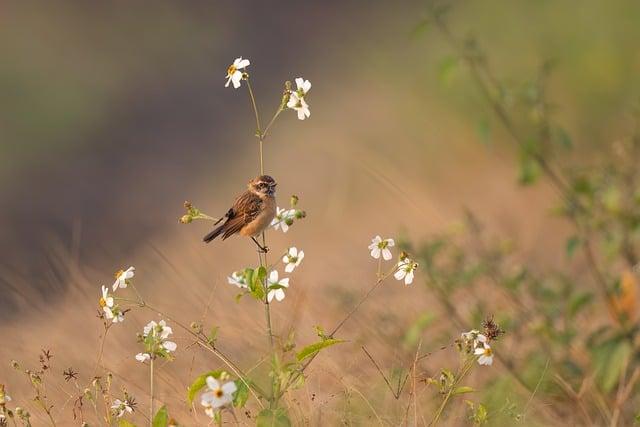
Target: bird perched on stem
x,y
251,213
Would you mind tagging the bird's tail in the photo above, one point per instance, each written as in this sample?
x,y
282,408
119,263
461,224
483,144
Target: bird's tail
x,y
215,233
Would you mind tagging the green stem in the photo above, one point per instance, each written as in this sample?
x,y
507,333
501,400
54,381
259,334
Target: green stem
x,y
453,387
151,411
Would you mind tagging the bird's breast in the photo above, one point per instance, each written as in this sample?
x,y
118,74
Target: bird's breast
x,y
262,220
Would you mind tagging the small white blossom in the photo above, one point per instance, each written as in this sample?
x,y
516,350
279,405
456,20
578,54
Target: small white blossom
x,y
219,395
122,278
283,219
238,279
485,354
121,407
475,337
234,75
277,291
381,246
297,101
109,307
405,269
143,357
292,259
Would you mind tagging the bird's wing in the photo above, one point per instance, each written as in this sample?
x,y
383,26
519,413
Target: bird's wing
x,y
245,209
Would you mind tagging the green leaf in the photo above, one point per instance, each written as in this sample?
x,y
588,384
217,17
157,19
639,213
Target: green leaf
x,y
125,423
572,244
609,360
273,418
484,130
312,349
446,69
200,382
420,29
529,170
463,390
578,302
414,332
241,395
162,418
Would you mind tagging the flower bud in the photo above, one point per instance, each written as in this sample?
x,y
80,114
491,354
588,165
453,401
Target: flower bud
x,y
15,364
300,214
186,219
294,200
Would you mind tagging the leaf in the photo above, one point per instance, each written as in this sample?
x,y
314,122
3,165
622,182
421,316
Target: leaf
x,y
273,418
241,395
312,349
200,382
463,390
420,29
414,332
162,418
529,170
578,302
125,423
609,359
484,131
446,69
572,244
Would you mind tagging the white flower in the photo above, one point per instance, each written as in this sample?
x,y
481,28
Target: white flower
x,y
143,357
169,346
237,278
405,269
277,291
474,336
297,101
292,259
283,219
149,328
485,354
379,245
122,278
218,396
111,310
122,407
234,75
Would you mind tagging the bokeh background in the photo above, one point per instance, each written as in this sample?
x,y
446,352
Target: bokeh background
x,y
112,114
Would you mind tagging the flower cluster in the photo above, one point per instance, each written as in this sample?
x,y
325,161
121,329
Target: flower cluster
x,y
297,98
110,308
122,407
294,99
4,399
284,218
478,344
404,269
154,337
219,394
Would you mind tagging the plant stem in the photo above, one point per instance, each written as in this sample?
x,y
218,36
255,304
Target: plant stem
x,y
453,387
151,411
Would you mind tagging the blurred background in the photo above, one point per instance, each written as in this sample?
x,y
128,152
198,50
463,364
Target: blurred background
x,y
112,114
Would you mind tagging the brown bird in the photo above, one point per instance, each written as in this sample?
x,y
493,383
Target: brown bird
x,y
251,213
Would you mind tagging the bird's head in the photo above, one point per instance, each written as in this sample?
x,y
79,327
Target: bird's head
x,y
263,185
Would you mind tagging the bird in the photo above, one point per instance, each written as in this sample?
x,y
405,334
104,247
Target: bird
x,y
251,213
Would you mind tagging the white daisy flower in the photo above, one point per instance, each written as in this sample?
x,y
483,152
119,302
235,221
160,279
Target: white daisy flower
x,y
122,278
292,259
276,286
143,357
297,101
234,75
405,269
238,279
283,219
121,407
485,354
381,246
219,395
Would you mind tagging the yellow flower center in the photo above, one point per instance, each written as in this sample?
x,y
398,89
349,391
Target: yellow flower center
x,y
232,69
219,393
488,351
118,273
102,302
